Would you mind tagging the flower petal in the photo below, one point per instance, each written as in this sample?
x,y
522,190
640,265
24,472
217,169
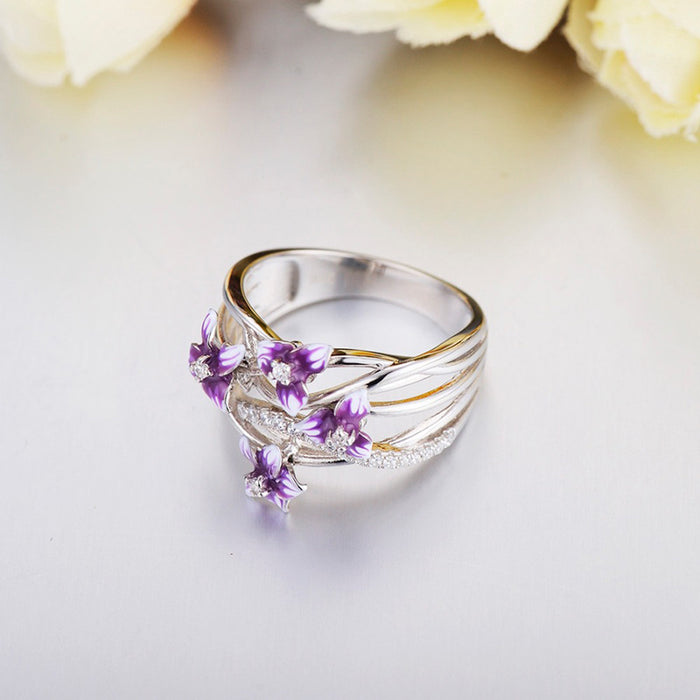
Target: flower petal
x,y
247,449
416,23
99,34
196,351
229,357
209,326
352,409
309,359
270,459
287,486
318,425
523,25
215,388
281,503
361,446
293,397
271,350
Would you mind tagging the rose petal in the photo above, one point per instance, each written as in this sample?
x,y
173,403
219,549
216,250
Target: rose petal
x,y
271,350
229,357
293,397
309,359
101,34
416,23
270,459
361,447
578,31
318,425
215,388
665,56
683,13
352,409
523,24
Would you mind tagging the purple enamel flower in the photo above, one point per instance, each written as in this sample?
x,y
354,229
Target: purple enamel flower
x,y
270,479
340,429
211,363
290,367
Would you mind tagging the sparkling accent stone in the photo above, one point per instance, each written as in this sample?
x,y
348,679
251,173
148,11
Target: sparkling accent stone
x,y
338,440
395,459
265,417
274,419
245,377
200,369
257,486
281,372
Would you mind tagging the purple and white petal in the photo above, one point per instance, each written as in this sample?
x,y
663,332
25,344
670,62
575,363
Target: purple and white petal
x,y
293,397
318,425
209,327
215,388
309,359
229,357
197,350
270,459
352,409
361,447
247,449
287,486
271,350
281,503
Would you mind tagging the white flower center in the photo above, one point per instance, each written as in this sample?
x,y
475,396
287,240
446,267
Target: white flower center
x,y
281,372
200,369
338,440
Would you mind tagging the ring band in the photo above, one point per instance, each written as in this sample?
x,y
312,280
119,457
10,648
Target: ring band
x,y
288,398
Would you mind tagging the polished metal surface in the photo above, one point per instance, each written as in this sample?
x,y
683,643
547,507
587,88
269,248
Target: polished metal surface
x,y
414,400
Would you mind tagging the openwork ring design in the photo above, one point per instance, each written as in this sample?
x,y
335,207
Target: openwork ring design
x,y
290,400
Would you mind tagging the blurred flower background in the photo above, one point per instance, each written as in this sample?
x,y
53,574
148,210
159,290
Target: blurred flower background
x,y
647,52
49,41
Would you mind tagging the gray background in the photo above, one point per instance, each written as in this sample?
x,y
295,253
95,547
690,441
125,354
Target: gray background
x,y
552,553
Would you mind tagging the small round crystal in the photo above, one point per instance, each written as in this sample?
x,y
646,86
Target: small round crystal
x,y
281,372
338,440
257,486
200,369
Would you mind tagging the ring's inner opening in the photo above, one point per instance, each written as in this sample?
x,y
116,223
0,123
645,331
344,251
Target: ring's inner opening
x,y
362,323
285,283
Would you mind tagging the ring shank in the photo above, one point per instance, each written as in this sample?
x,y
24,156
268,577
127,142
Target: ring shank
x,y
418,403
276,283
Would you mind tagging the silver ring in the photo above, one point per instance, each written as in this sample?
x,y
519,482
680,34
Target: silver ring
x,y
301,403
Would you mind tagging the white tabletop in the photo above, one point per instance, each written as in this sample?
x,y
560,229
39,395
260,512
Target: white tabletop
x,y
553,552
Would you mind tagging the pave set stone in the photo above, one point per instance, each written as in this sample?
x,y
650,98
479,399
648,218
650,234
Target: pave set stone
x,y
277,421
200,369
337,430
281,372
338,440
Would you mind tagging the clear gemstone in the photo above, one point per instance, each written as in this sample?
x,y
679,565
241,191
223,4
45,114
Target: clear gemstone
x,y
245,378
281,372
257,486
338,440
200,369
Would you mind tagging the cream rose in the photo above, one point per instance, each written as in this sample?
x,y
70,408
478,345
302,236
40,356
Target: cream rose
x,y
522,24
648,53
48,41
